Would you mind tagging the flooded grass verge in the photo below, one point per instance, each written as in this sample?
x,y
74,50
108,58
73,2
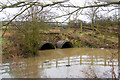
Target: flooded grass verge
x,y
83,63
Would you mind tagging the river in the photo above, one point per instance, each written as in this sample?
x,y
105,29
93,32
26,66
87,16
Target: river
x,y
64,63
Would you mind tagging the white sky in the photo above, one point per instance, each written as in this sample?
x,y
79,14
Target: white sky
x,y
9,13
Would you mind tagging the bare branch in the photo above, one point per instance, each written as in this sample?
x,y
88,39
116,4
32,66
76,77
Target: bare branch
x,y
11,6
91,6
66,14
24,3
13,19
54,3
18,4
100,5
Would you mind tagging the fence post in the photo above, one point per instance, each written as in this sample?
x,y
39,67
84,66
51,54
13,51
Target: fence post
x,y
56,24
81,26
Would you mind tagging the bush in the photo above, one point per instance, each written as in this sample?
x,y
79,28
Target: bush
x,y
25,39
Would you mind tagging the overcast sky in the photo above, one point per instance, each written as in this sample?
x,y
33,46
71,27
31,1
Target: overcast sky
x,y
9,13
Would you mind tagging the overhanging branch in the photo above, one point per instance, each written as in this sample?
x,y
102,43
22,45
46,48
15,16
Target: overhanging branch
x,y
99,5
18,4
13,19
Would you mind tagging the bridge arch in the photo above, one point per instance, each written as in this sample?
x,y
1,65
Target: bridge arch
x,y
46,45
64,44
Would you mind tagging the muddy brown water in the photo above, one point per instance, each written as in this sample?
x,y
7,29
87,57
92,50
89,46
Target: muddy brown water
x,y
63,63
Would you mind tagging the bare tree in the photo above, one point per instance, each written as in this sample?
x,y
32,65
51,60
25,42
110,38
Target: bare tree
x,y
25,5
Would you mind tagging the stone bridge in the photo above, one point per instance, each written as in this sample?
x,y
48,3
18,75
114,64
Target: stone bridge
x,y
60,44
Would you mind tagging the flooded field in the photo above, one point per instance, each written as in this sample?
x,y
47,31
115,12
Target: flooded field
x,y
64,63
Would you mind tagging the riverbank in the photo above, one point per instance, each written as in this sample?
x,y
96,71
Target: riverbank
x,y
16,44
91,39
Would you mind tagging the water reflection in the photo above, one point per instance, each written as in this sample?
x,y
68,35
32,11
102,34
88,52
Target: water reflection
x,y
72,63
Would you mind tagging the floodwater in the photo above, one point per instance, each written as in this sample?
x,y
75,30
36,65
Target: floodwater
x,y
64,63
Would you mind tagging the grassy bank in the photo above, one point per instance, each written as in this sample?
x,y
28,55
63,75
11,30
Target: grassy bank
x,y
92,39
